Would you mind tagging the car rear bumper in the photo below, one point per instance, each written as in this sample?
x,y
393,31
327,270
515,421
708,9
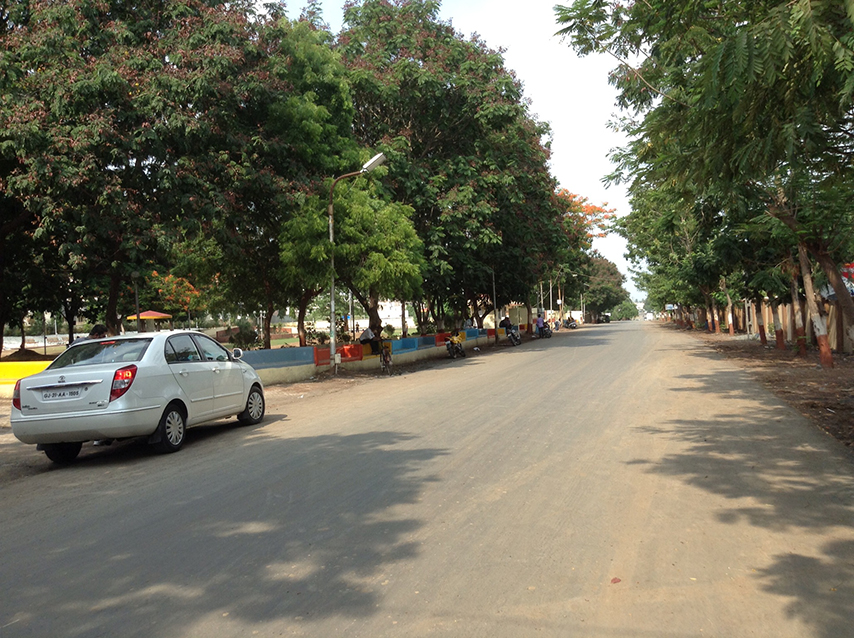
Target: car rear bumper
x,y
78,426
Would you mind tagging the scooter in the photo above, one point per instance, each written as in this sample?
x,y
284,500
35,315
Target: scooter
x,y
513,335
454,344
570,323
547,332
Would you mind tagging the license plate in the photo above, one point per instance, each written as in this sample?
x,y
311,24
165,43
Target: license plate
x,y
53,395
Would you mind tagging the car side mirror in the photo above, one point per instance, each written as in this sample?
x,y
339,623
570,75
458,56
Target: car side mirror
x,y
237,353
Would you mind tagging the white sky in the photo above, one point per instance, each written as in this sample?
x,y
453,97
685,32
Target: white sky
x,y
570,93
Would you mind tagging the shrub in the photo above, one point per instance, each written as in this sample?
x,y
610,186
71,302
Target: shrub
x,y
428,329
246,336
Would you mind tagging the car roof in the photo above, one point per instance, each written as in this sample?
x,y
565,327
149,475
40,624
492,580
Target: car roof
x,y
159,335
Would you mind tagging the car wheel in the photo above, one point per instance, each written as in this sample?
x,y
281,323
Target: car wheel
x,y
62,453
172,429
255,407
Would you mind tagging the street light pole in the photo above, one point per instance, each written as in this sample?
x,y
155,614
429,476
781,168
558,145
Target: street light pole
x,y
371,164
494,306
135,275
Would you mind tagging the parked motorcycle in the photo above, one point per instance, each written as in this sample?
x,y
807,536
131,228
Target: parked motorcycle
x,y
514,336
570,323
454,344
547,331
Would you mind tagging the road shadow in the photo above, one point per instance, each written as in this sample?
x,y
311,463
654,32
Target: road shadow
x,y
780,477
821,588
311,538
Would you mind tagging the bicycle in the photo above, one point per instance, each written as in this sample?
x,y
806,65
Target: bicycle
x,y
386,364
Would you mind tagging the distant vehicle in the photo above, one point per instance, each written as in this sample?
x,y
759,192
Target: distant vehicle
x,y
152,384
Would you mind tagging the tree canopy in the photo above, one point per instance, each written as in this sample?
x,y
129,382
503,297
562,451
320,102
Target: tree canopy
x,y
740,124
187,148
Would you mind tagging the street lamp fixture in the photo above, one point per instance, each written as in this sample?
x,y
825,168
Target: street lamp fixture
x,y
367,167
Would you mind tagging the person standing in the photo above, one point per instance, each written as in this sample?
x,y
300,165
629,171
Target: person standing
x,y
540,324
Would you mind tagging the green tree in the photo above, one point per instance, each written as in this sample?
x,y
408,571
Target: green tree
x,y
377,252
289,135
738,97
110,112
604,289
626,310
463,151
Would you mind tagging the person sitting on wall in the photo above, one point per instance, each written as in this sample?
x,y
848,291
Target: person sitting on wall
x,y
366,336
377,340
506,324
369,336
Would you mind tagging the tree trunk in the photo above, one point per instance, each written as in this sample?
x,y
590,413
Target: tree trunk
x,y
112,321
303,341
843,297
760,321
818,320
374,317
689,318
710,319
800,332
302,309
782,211
371,305
268,318
530,317
707,308
22,325
729,321
437,311
779,335
716,315
422,315
70,309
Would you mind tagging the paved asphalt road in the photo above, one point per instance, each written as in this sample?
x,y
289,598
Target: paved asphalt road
x,y
615,481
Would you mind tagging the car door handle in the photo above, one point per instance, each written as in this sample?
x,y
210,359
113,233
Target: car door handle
x,y
184,373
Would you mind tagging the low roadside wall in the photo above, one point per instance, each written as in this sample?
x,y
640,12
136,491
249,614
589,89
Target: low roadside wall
x,y
12,371
289,365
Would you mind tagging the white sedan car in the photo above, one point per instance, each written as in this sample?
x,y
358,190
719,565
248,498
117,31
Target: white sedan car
x,y
153,384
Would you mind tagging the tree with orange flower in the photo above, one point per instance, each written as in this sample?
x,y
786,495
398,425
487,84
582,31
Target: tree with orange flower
x,y
175,293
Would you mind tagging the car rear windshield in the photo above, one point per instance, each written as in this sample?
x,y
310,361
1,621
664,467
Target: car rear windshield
x,y
107,351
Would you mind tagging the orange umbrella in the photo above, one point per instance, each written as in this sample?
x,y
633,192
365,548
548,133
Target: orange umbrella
x,y
150,314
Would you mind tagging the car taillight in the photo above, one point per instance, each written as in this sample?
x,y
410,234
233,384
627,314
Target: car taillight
x,y
122,380
16,395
